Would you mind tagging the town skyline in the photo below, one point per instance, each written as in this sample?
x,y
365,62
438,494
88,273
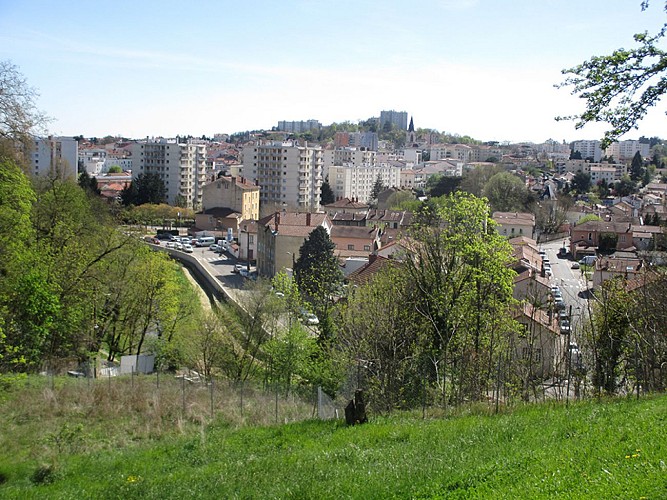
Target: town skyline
x,y
467,68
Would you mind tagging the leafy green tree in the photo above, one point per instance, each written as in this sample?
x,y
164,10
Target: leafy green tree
x,y
145,188
378,187
88,183
462,288
474,180
115,169
620,88
607,243
439,185
507,193
625,186
402,200
581,182
326,195
19,116
637,167
317,274
290,355
575,155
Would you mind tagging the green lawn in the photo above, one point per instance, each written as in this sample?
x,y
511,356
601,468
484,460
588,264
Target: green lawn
x,y
615,449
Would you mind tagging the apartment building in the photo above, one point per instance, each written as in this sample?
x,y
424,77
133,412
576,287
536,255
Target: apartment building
x,y
398,119
288,175
180,165
588,149
461,152
597,171
348,156
298,127
55,157
357,181
625,150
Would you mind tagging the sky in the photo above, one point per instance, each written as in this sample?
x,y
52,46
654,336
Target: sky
x,y
482,68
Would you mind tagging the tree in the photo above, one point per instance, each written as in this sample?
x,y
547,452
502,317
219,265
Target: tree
x,y
620,88
637,167
115,169
19,117
378,187
581,182
326,195
575,155
474,180
507,193
625,186
607,243
462,287
145,188
439,184
88,183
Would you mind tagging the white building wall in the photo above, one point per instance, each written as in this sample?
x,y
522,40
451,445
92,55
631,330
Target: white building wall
x,y
357,182
55,156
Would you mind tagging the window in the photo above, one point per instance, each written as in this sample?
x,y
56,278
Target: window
x,y
367,248
590,236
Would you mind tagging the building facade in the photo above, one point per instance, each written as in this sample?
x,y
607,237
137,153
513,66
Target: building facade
x,y
289,176
55,157
181,166
398,119
357,181
232,192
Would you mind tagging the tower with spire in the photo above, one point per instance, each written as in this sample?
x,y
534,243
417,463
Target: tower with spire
x,y
410,135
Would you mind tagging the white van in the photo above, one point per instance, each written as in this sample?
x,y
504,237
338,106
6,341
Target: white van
x,y
205,241
589,260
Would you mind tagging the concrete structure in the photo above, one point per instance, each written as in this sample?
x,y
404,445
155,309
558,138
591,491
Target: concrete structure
x,y
398,119
298,127
180,165
626,150
55,157
357,182
232,192
585,238
597,170
348,156
513,224
289,176
588,149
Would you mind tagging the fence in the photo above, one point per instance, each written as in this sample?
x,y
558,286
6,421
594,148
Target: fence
x,y
187,396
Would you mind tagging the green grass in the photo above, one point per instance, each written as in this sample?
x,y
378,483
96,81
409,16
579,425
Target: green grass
x,y
614,449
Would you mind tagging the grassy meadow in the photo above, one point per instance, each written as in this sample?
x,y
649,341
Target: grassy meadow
x,y
57,446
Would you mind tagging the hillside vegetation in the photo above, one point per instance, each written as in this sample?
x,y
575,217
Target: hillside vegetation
x,y
611,449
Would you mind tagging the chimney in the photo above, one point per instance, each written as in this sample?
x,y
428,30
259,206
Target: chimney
x,y
277,220
308,219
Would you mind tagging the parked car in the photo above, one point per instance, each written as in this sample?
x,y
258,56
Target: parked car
x,y
560,304
564,326
562,314
589,260
187,248
215,247
238,268
548,271
171,244
575,265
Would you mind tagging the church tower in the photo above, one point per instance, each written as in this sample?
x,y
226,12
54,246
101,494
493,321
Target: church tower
x,y
410,135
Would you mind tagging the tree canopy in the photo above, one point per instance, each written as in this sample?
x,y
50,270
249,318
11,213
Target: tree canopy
x,y
146,188
618,89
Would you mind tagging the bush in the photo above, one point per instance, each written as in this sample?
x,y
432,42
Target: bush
x,y
44,474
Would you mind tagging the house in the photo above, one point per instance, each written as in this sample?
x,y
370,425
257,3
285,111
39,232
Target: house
x,y
607,268
538,343
247,240
281,235
346,205
513,224
585,238
219,221
367,272
354,241
236,193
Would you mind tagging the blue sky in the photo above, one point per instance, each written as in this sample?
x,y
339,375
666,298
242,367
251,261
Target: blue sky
x,y
484,68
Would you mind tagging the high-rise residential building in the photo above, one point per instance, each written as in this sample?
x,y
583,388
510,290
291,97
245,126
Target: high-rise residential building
x,y
399,119
588,149
625,150
290,176
298,127
351,156
356,182
55,157
180,165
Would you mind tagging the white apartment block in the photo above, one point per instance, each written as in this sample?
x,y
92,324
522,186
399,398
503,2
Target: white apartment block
x,y
348,156
356,182
288,175
55,157
588,149
114,161
181,166
600,172
625,150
